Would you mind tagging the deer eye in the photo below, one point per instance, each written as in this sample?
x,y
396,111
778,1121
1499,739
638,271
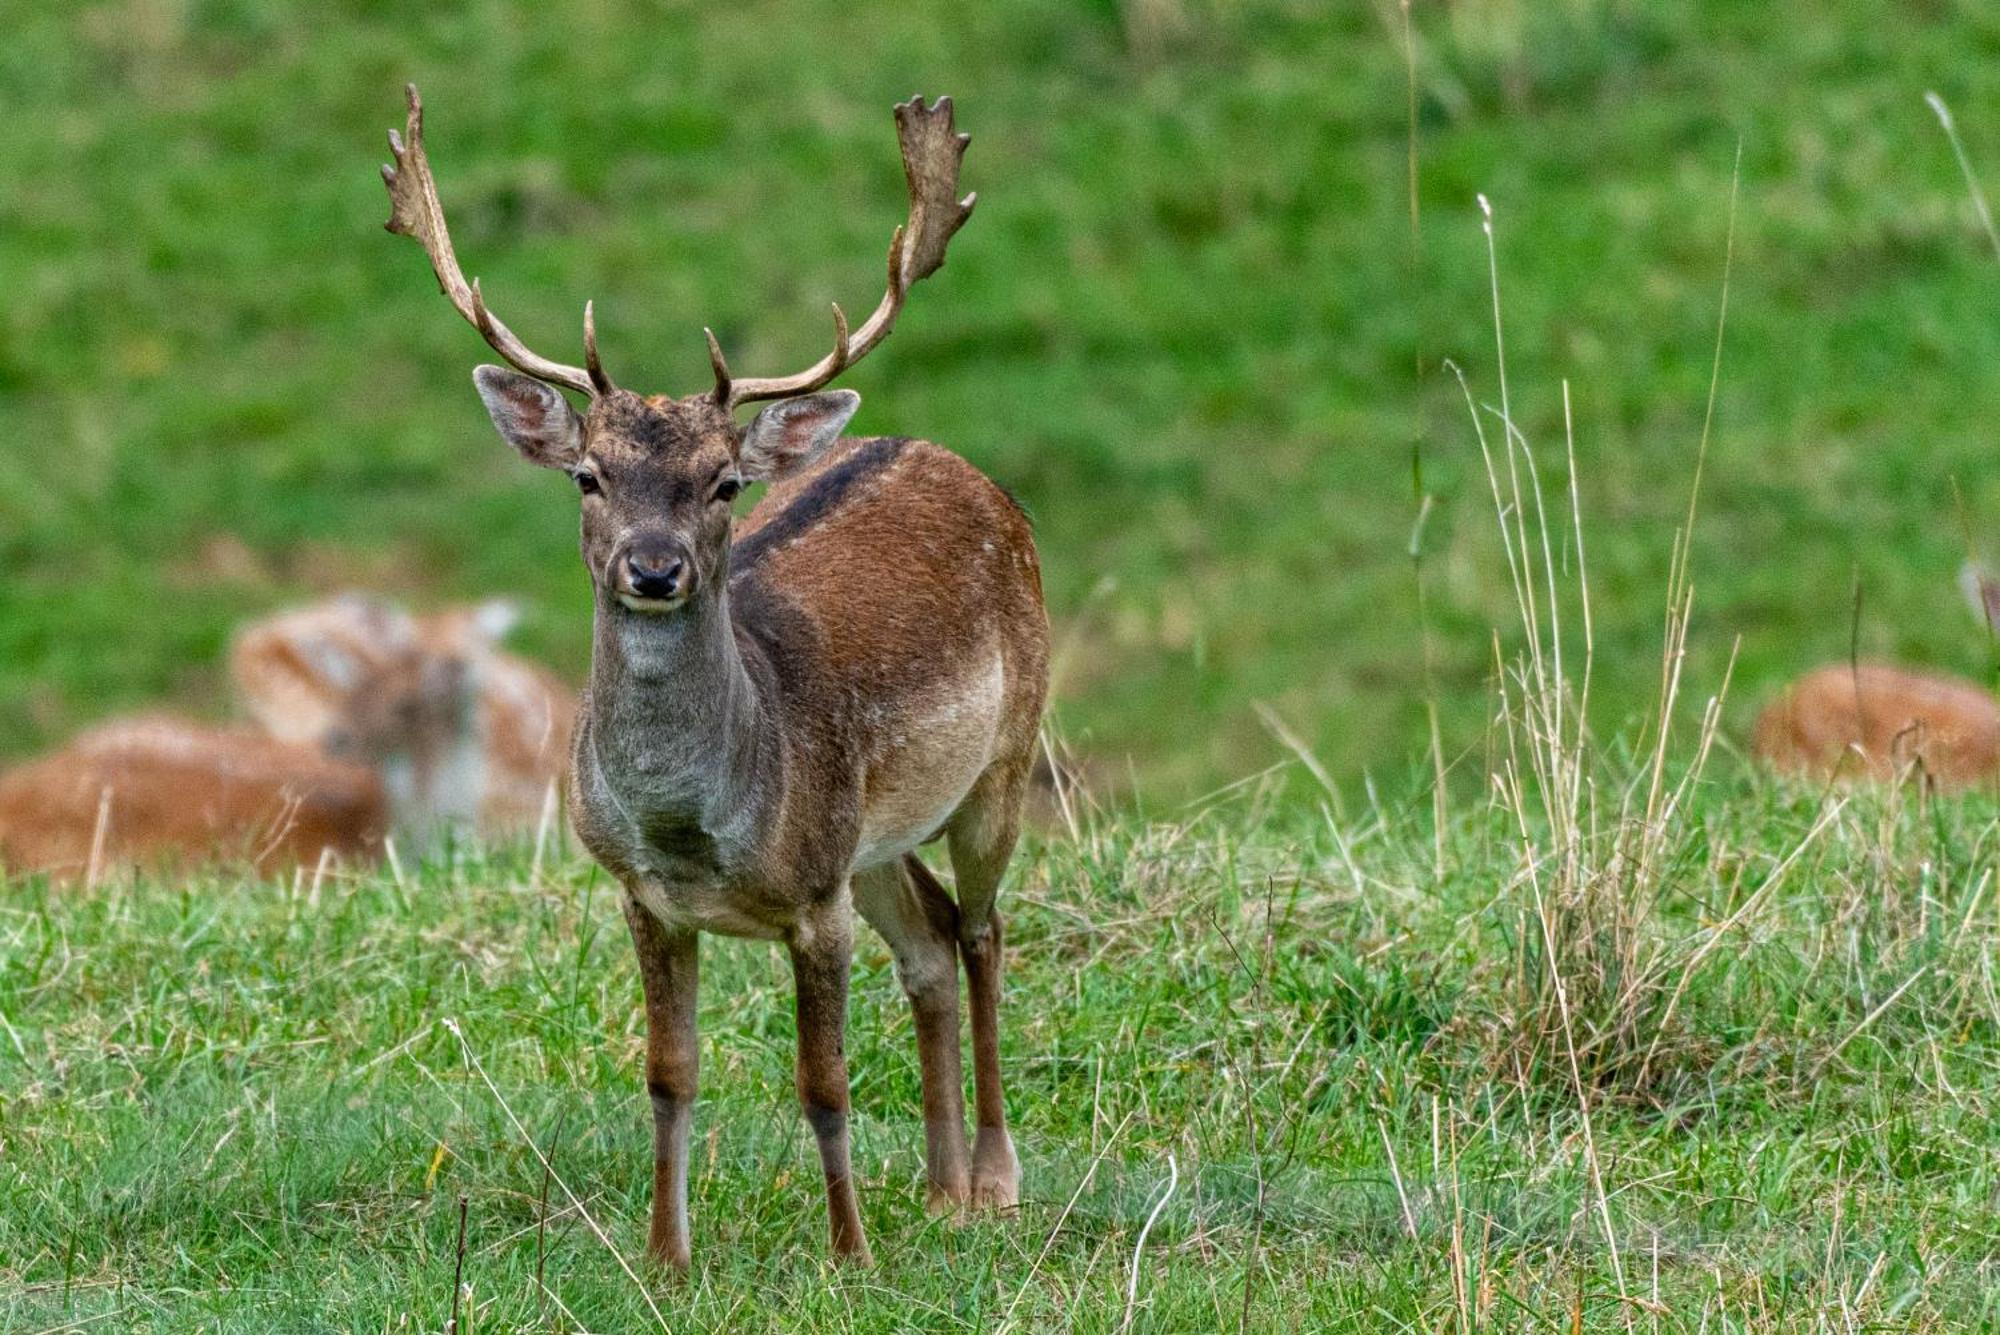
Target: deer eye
x,y
728,489
586,482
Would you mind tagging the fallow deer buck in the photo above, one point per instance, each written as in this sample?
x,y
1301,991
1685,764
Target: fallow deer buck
x,y
301,673
1880,721
779,713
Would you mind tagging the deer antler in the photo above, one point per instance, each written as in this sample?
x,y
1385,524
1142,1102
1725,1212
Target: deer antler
x,y
932,150
414,211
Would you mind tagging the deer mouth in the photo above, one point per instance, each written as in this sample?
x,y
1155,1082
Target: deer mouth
x,y
652,606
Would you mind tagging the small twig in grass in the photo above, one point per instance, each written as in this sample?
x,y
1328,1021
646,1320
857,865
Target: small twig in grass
x,y
562,1307
1854,647
1006,1319
389,1055
83,1321
1722,929
542,1207
1425,503
98,837
395,863
1257,1138
1396,1176
1292,742
597,1231
1965,166
1132,1286
1591,1160
551,804
458,1269
1721,328
320,869
1410,89
1867,1020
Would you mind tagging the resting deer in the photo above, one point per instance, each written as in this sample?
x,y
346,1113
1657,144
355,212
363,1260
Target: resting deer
x,y
1884,722
170,794
780,713
297,674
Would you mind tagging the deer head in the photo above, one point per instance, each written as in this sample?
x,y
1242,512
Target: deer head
x,y
360,679
657,474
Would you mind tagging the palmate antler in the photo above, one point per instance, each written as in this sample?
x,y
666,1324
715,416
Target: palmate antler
x,y
932,151
414,211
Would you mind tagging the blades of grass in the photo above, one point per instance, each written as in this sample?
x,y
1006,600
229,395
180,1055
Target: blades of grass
x,y
478,1068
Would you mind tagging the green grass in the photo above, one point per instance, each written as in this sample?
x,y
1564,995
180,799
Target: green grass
x,y
1548,1052
232,1106
1189,323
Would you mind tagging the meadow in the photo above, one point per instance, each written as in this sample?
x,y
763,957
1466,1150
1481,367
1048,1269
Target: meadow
x,y
1199,323
1553,1014
1327,1062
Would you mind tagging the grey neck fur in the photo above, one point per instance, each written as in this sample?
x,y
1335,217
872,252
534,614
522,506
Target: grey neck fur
x,y
675,723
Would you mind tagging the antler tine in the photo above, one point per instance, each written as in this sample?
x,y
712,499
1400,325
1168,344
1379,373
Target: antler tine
x,y
600,383
932,152
415,211
720,364
843,350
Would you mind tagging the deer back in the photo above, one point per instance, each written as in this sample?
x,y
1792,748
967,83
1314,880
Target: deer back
x,y
1882,722
172,794
895,594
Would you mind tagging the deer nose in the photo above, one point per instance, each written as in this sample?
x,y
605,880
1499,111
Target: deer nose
x,y
656,575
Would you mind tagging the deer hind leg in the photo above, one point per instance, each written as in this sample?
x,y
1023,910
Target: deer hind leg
x,y
905,903
982,836
668,963
822,951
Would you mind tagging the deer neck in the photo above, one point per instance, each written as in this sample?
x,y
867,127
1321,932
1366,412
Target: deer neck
x,y
676,720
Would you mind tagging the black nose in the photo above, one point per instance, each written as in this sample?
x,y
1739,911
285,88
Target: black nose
x,y
657,577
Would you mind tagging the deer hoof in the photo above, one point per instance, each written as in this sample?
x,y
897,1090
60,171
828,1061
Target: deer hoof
x,y
996,1173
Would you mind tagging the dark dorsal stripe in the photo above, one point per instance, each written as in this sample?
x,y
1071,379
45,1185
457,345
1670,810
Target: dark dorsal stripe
x,y
825,495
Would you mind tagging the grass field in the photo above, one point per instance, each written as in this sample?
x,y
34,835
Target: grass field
x,y
229,1107
1633,1043
1602,1033
1190,324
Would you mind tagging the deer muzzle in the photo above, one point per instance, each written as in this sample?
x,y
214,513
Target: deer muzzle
x,y
653,575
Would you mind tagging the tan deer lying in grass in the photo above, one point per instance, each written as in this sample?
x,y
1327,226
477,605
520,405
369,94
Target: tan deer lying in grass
x,y
298,674
1877,721
170,794
779,714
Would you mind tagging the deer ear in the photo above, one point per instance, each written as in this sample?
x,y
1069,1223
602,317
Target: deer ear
x,y
790,433
475,629
532,417
495,619
296,672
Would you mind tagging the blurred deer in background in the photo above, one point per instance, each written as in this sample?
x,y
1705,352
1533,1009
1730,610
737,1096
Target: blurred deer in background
x,y
779,715
169,793
1883,722
301,673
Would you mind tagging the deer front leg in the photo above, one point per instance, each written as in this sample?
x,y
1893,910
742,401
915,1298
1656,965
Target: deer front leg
x,y
668,967
822,949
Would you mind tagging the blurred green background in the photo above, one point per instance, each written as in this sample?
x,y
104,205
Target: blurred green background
x,y
1192,324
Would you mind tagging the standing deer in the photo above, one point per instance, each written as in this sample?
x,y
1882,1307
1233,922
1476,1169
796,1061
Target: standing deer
x,y
1880,721
300,672
779,714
